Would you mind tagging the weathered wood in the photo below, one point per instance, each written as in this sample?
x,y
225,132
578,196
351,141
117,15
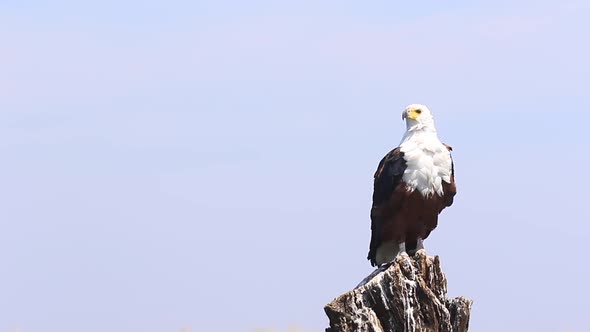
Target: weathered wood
x,y
408,295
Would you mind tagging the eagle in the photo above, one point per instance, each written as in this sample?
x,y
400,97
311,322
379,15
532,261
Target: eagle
x,y
412,185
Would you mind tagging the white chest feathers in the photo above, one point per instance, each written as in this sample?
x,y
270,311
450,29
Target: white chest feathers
x,y
428,164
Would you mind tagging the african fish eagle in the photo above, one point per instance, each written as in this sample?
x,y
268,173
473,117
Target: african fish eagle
x,y
412,185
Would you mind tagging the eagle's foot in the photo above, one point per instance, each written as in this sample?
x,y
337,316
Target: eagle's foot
x,y
419,244
401,250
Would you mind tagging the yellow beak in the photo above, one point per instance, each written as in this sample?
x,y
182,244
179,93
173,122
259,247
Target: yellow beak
x,y
411,114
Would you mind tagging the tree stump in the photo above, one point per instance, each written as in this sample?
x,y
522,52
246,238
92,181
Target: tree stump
x,y
408,295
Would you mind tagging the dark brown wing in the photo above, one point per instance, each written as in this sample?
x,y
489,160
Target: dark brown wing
x,y
387,178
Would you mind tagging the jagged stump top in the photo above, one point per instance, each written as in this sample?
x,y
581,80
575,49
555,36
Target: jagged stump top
x,y
409,295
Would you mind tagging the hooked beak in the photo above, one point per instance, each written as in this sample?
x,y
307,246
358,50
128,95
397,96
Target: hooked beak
x,y
404,115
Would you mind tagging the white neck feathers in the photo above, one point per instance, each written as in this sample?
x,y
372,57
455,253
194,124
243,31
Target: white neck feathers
x,y
420,131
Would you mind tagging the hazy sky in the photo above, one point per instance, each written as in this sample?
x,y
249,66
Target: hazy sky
x,y
209,164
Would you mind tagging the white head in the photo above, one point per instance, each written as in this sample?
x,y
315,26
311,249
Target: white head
x,y
418,118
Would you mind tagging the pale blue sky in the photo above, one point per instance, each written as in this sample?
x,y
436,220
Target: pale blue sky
x,y
209,165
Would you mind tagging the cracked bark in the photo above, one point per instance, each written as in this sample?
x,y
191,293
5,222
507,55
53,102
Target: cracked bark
x,y
409,295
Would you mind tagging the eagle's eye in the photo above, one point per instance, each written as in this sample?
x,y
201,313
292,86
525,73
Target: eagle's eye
x,y
418,111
